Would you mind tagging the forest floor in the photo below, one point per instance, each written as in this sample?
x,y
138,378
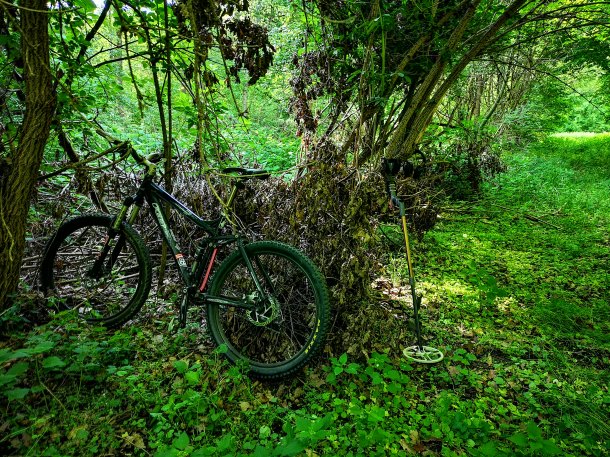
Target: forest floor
x,y
515,288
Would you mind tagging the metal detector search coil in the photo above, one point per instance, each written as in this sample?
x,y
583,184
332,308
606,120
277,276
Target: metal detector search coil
x,y
423,354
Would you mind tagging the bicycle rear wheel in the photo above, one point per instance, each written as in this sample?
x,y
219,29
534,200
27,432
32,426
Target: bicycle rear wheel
x,y
291,320
105,277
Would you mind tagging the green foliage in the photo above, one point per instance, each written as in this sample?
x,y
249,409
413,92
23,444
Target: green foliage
x,y
458,160
576,101
259,146
515,294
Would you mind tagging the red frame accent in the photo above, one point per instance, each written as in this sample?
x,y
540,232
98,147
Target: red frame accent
x,y
209,270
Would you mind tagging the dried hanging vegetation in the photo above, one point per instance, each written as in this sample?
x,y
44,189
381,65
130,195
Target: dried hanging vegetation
x,y
240,41
332,207
333,214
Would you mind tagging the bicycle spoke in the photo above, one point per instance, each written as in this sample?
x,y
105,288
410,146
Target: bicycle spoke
x,y
286,335
83,275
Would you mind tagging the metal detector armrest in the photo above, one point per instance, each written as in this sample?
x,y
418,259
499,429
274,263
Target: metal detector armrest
x,y
390,167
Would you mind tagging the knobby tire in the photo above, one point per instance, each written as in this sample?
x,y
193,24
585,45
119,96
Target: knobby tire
x,y
114,294
283,345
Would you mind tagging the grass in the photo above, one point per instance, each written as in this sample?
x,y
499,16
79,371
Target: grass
x,y
515,290
530,262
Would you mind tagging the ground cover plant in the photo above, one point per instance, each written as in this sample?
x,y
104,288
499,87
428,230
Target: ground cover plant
x,y
514,271
515,294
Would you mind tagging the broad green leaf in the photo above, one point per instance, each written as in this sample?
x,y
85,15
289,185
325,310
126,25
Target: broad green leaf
x,y
53,362
293,447
550,448
227,442
182,441
489,449
167,452
533,431
192,377
42,347
6,354
7,379
16,394
519,439
18,369
181,366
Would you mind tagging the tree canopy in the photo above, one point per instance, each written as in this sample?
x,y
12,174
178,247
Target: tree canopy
x,y
373,79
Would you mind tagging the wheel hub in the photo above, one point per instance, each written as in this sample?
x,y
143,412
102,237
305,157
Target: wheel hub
x,y
266,309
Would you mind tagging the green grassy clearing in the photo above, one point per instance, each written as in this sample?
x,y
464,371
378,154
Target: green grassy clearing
x,y
515,294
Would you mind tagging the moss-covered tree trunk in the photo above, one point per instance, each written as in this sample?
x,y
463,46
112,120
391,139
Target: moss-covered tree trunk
x,y
19,172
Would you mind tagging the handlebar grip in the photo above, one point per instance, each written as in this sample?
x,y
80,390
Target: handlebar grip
x,y
246,173
146,160
155,157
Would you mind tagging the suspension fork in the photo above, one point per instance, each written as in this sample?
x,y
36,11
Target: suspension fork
x,y
250,267
96,270
121,241
266,276
269,298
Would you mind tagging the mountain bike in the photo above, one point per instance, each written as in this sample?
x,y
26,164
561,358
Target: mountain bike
x,y
266,301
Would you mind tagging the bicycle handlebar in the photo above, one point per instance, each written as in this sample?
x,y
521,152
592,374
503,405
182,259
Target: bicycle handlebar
x,y
246,173
150,161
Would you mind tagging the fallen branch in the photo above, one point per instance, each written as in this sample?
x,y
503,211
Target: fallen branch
x,y
529,217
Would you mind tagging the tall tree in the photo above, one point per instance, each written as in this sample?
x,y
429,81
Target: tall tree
x,y
75,26
388,64
18,172
370,78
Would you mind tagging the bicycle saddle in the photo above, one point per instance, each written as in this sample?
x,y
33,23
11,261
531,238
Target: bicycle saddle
x,y
247,173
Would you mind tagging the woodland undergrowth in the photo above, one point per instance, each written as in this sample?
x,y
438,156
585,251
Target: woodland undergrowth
x,y
515,293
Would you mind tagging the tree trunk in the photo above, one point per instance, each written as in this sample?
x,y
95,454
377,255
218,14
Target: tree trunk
x,y
411,127
19,172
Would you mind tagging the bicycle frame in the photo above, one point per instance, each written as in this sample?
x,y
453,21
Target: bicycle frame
x,y
195,279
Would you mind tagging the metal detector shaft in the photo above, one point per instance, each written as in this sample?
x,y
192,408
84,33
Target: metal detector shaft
x,y
419,353
416,299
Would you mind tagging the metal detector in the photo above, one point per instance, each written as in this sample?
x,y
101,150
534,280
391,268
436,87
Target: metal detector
x,y
418,353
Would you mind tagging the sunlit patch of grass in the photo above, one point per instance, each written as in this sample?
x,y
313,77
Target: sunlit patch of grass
x,y
523,274
449,288
578,135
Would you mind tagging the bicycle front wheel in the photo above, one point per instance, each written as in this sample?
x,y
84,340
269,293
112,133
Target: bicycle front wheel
x,y
291,317
105,276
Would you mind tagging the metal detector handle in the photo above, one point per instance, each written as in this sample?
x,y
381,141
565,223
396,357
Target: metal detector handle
x,y
391,185
390,168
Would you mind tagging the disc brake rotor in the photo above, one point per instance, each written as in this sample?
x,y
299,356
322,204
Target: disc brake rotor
x,y
265,311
